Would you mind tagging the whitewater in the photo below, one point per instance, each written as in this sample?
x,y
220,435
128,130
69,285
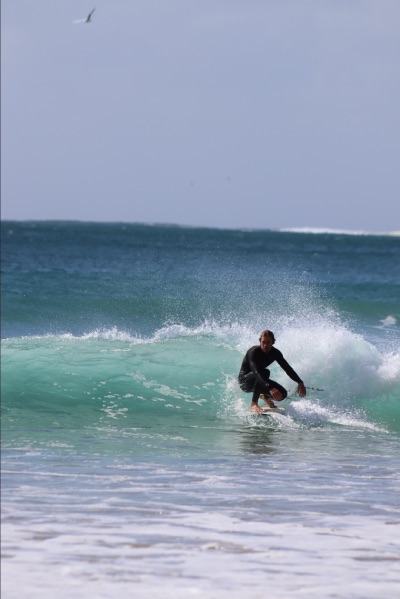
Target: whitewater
x,y
130,461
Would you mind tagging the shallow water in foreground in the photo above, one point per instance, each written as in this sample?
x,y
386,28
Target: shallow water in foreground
x,y
130,462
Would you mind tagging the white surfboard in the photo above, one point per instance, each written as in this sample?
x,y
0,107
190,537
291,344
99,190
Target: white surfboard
x,y
269,411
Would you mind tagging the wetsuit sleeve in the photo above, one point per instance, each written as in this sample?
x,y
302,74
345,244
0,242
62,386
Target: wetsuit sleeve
x,y
287,368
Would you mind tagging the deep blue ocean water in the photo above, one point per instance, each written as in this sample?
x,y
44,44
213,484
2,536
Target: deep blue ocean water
x,y
130,461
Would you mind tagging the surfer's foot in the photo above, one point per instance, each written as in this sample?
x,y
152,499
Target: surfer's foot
x,y
255,408
268,401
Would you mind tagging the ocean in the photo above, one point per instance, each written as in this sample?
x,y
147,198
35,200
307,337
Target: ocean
x,y
131,465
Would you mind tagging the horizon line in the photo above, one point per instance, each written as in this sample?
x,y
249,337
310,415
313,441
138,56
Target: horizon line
x,y
304,230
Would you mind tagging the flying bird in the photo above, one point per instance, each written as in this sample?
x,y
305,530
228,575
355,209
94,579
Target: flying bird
x,y
88,18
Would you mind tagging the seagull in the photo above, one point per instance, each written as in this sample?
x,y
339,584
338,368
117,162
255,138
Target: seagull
x,y
88,18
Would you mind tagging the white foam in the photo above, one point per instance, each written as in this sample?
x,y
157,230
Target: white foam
x,y
327,230
389,321
343,363
197,554
323,230
313,413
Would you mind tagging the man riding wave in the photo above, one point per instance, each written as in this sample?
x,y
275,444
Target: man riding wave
x,y
254,374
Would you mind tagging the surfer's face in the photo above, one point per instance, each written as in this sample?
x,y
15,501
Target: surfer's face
x,y
266,343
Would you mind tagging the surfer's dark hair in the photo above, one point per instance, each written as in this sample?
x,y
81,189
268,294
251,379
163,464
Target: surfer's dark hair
x,y
267,333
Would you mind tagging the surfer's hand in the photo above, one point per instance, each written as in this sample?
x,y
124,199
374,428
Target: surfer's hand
x,y
301,390
276,395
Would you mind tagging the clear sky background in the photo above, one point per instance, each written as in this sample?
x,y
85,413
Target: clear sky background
x,y
221,113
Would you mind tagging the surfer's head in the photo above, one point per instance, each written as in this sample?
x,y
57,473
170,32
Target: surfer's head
x,y
267,340
267,333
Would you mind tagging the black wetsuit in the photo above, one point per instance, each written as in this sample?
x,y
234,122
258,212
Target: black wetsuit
x,y
254,375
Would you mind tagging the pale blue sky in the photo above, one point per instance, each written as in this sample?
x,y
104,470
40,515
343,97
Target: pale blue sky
x,y
239,113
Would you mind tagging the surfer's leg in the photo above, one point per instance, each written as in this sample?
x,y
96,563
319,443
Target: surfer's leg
x,y
254,407
282,390
268,400
248,384
261,391
267,397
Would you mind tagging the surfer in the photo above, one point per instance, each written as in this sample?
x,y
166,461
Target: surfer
x,y
254,374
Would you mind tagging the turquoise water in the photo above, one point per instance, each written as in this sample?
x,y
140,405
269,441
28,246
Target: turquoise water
x,y
130,459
